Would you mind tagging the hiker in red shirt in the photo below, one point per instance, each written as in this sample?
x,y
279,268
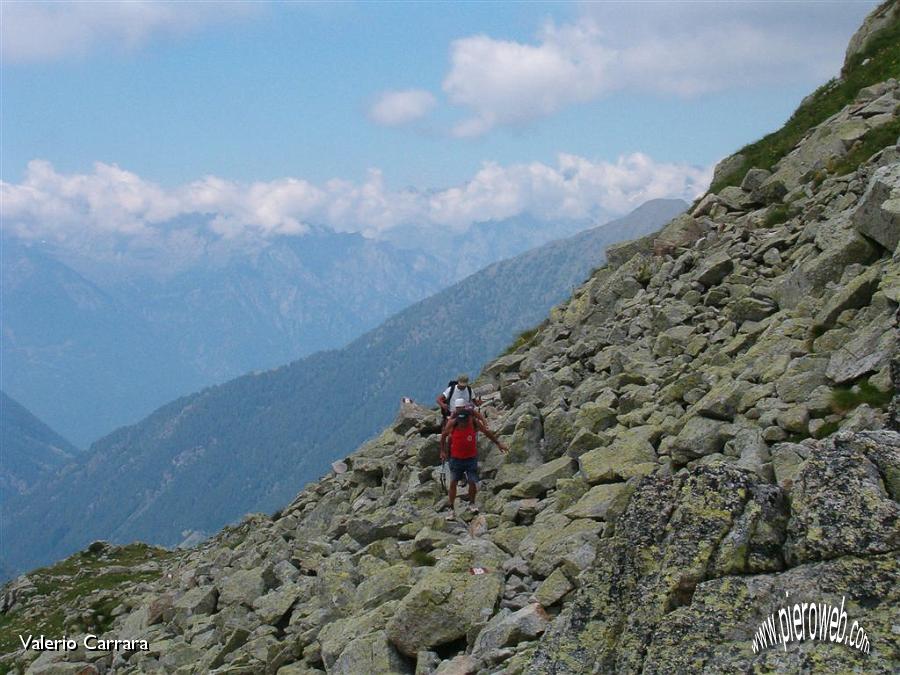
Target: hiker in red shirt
x,y
462,430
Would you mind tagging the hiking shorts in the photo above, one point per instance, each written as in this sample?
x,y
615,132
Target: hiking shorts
x,y
464,467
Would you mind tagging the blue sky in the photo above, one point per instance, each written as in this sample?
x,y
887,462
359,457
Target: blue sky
x,y
365,116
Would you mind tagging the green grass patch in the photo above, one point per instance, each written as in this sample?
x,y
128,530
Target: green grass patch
x,y
422,559
873,141
524,339
67,586
827,429
846,398
780,213
883,55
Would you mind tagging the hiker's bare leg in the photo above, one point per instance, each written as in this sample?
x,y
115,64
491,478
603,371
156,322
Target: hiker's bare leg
x,y
472,489
451,493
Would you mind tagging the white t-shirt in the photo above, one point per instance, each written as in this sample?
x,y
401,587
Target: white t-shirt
x,y
458,392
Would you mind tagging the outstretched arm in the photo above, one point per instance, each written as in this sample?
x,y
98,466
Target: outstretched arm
x,y
490,434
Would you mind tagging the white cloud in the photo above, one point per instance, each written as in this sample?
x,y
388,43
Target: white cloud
x,y
46,31
683,49
506,82
112,202
396,108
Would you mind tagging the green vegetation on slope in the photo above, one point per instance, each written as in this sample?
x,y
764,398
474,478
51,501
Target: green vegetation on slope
x,y
79,593
845,398
872,142
524,338
879,61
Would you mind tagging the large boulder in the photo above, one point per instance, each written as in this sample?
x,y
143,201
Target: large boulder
x,y
680,232
618,254
601,502
857,293
664,545
370,526
557,541
878,213
370,654
391,583
717,631
630,454
700,436
839,502
336,635
811,277
544,478
414,416
456,596
715,268
510,628
274,605
869,350
245,586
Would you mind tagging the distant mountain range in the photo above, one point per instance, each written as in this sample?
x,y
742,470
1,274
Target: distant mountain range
x,y
97,335
250,444
89,358
29,449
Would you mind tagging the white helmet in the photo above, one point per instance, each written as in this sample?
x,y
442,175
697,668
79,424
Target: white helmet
x,y
459,403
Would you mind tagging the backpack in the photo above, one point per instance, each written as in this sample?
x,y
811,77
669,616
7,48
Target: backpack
x,y
453,387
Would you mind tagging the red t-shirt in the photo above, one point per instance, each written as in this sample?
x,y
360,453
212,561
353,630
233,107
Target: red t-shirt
x,y
464,441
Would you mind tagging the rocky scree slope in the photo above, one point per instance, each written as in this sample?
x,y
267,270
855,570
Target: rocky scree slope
x,y
704,426
203,461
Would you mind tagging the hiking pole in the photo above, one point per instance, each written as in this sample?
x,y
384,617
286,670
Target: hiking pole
x,y
443,476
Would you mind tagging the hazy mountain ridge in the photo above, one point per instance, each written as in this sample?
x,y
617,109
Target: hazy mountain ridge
x,y
189,310
73,350
30,449
208,458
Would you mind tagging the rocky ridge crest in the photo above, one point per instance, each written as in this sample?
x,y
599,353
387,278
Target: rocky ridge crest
x,y
705,426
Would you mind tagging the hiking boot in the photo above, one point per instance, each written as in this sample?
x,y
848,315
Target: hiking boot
x,y
450,515
471,508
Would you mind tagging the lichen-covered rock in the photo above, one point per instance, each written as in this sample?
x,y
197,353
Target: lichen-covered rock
x,y
662,547
389,584
700,436
414,416
544,477
857,293
715,632
878,213
370,654
813,275
627,456
869,350
553,589
601,502
716,268
245,586
510,628
839,504
681,231
335,635
197,601
456,596
559,542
